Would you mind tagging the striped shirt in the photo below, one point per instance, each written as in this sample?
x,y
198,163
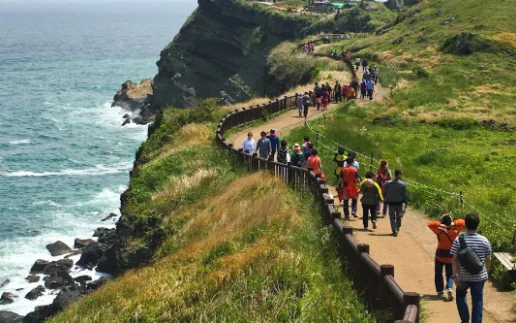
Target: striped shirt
x,y
481,247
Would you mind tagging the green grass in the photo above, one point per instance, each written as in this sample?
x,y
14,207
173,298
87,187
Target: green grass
x,y
453,156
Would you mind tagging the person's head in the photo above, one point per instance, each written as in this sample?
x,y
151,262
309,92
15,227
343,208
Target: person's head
x,y
316,84
283,143
250,135
296,147
384,164
472,221
337,82
370,174
263,134
341,150
352,155
306,93
398,173
446,219
272,132
314,152
349,161
306,138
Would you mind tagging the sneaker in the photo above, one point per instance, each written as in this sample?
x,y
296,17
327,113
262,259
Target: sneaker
x,y
395,234
354,214
440,293
450,295
374,225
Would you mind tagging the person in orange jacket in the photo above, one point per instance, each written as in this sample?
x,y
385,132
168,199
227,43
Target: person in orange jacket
x,y
446,230
346,186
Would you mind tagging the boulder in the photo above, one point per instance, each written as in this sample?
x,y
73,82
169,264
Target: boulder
x,y
368,5
133,96
40,314
58,280
394,4
5,282
466,43
105,235
10,317
7,298
38,266
126,116
448,20
81,243
111,215
35,293
83,279
73,253
59,266
126,121
58,248
90,255
97,283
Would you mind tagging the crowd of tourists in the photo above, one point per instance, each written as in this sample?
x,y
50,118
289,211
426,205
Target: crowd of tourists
x,y
309,47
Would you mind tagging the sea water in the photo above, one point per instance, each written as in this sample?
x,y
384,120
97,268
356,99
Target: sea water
x,y
64,157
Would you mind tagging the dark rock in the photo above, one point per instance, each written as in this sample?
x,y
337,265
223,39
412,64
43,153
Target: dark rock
x,y
35,293
398,41
40,314
133,96
38,266
395,4
82,243
387,120
5,282
90,255
466,43
59,280
67,296
368,5
10,317
18,289
58,248
126,121
59,266
421,39
97,283
83,279
73,253
108,262
126,116
448,21
105,235
111,215
7,298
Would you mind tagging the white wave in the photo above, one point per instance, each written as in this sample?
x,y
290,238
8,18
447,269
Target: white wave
x,y
97,171
48,202
19,142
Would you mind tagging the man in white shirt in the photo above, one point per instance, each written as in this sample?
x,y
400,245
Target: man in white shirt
x,y
249,145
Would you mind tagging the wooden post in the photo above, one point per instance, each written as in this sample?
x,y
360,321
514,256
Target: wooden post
x,y
411,298
254,162
361,278
241,157
336,215
244,112
385,270
285,102
290,174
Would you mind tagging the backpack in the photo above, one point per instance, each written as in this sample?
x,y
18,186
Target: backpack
x,y
468,259
382,178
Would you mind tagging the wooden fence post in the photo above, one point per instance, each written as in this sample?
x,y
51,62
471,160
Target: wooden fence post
x,y
411,298
241,157
385,270
361,279
254,162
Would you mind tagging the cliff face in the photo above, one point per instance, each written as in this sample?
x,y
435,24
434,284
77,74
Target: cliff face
x,y
223,47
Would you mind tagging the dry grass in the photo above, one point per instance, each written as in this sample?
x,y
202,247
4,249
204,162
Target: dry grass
x,y
138,91
184,182
506,38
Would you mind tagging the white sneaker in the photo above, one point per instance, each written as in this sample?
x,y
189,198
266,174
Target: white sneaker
x,y
374,224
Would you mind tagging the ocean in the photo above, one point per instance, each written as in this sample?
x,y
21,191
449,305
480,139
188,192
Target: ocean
x,y
64,157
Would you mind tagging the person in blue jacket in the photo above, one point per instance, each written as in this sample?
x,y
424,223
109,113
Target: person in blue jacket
x,y
275,143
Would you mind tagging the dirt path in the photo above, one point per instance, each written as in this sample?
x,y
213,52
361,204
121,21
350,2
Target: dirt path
x,y
412,252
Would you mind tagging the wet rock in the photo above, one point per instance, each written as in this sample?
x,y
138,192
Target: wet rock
x,y
38,266
126,121
91,255
73,253
7,298
82,243
132,96
18,289
10,317
4,283
83,279
58,248
448,21
126,116
40,314
35,293
59,266
105,235
110,216
97,283
58,280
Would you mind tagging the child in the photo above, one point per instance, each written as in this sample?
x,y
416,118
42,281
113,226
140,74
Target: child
x,y
283,152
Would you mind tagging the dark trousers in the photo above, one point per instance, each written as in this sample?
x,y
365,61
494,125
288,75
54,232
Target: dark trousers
x,y
439,283
370,94
362,94
477,300
368,209
305,110
338,96
354,205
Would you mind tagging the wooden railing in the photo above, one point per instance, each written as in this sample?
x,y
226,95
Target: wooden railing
x,y
376,282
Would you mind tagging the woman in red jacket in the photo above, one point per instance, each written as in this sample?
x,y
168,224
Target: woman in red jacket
x,y
446,230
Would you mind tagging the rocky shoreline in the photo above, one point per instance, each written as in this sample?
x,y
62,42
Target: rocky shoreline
x,y
54,277
136,99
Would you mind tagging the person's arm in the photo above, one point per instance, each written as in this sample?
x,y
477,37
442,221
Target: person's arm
x,y
435,226
379,190
488,256
459,224
455,266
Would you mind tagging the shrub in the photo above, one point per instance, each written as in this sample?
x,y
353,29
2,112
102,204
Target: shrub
x,y
420,71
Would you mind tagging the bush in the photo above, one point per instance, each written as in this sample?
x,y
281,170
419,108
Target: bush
x,y
420,71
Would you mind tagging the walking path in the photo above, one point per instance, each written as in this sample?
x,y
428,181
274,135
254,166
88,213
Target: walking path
x,y
412,252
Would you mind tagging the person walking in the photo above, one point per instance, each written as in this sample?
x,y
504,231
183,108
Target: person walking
x,y
383,176
354,164
249,145
396,196
296,156
364,64
338,92
376,73
299,104
354,85
314,162
306,104
339,159
446,231
275,142
325,98
318,92
306,148
330,91
263,146
371,196
370,89
363,89
466,279
283,152
351,92
346,187
357,63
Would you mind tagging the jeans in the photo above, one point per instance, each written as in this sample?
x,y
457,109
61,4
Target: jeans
x,y
477,294
368,209
338,97
301,109
378,207
370,94
395,214
439,284
354,206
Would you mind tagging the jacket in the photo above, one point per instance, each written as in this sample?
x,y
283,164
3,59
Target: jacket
x,y
314,162
275,142
371,192
445,238
296,157
306,100
395,192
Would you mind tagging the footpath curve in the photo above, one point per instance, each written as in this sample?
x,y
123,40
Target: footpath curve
x,y
411,252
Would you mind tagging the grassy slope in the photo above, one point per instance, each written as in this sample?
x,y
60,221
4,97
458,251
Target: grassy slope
x,y
236,248
479,86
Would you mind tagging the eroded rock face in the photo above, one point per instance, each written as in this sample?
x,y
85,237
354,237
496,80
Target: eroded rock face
x,y
82,243
132,96
58,248
10,317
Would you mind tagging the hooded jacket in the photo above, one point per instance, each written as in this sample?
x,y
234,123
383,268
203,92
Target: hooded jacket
x,y
371,192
